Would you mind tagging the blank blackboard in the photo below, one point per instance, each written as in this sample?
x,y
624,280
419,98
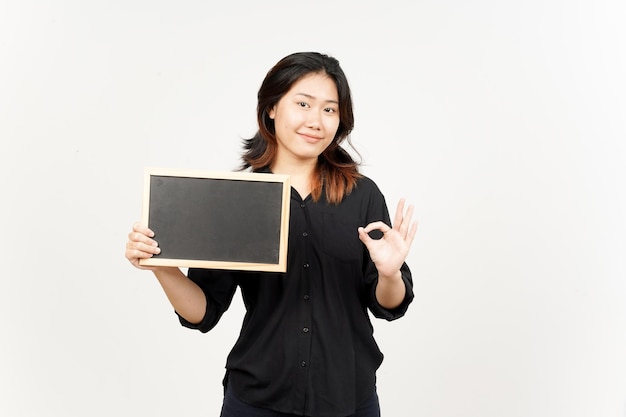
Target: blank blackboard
x,y
219,220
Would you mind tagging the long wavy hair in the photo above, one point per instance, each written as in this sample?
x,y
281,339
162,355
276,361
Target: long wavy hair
x,y
337,172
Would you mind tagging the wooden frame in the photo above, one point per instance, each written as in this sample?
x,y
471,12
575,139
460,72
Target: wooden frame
x,y
218,220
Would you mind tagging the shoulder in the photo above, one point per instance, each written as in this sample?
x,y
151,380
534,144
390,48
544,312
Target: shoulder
x,y
366,186
365,196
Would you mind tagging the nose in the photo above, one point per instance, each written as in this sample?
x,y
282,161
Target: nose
x,y
313,120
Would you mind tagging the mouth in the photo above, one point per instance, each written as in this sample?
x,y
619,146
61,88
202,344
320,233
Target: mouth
x,y
310,138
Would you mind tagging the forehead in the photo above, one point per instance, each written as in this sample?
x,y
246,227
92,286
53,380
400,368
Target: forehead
x,y
317,86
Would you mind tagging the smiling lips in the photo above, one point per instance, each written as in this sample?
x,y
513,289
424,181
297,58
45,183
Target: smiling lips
x,y
309,138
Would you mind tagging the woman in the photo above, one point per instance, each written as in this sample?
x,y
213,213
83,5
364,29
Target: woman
x,y
306,345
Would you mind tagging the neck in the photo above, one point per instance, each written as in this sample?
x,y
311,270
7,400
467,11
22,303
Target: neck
x,y
301,175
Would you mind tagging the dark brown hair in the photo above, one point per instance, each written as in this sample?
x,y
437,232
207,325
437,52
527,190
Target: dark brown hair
x,y
337,171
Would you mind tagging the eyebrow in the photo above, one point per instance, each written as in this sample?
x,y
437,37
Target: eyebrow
x,y
314,98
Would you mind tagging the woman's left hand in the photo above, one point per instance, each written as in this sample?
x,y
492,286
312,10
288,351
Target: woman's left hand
x,y
389,252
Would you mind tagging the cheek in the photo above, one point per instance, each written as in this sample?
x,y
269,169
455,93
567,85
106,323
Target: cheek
x,y
283,125
332,126
286,119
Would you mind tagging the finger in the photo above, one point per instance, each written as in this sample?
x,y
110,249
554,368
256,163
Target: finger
x,y
377,226
142,238
411,234
397,220
365,238
406,222
133,254
142,228
150,248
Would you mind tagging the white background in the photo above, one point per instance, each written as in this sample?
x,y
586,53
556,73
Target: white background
x,y
503,122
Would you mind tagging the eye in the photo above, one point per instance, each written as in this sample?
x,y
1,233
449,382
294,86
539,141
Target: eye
x,y
303,104
330,110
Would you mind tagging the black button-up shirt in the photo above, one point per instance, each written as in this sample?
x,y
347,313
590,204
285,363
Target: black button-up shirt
x,y
306,346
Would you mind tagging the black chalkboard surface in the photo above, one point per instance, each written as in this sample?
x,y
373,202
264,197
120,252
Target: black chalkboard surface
x,y
221,220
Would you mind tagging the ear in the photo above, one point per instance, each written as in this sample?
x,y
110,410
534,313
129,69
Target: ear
x,y
271,112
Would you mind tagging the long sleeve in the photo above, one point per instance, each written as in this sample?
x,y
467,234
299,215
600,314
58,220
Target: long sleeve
x,y
392,314
219,288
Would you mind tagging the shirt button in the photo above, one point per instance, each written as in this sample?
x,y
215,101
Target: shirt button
x,y
305,234
306,296
302,205
303,364
305,330
306,265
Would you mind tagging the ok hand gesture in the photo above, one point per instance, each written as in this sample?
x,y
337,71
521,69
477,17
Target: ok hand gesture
x,y
390,252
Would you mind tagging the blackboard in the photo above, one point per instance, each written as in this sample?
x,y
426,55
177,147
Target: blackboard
x,y
218,220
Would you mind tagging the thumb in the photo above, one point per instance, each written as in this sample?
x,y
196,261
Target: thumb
x,y
364,236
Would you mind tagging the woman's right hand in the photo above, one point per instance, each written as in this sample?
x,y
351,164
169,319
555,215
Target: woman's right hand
x,y
186,297
140,245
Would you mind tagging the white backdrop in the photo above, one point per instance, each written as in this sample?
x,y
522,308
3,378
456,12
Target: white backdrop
x,y
503,122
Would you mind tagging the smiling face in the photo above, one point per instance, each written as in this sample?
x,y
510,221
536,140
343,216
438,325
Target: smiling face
x,y
306,118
